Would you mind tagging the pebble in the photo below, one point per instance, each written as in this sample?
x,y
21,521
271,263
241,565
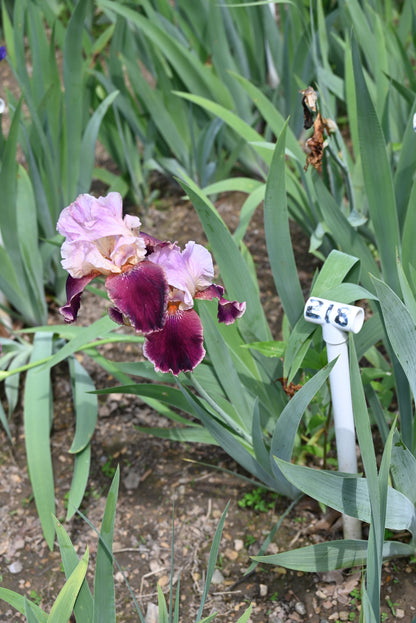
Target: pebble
x,y
217,577
343,615
399,613
238,545
132,480
263,588
15,567
300,608
152,614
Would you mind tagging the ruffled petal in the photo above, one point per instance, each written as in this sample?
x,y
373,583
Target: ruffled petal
x,y
198,261
140,293
178,347
74,289
83,257
188,270
228,311
97,236
151,242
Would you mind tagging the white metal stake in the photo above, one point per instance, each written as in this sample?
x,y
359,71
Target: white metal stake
x,y
337,320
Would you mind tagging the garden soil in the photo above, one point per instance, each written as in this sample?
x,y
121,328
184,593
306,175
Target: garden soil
x,y
162,480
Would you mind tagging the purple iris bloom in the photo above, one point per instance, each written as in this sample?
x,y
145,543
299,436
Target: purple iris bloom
x,y
3,52
99,241
151,283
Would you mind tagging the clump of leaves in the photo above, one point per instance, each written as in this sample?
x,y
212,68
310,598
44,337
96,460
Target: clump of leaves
x,y
260,500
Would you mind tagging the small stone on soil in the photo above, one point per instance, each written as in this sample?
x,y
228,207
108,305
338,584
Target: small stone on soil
x,y
217,577
300,608
15,567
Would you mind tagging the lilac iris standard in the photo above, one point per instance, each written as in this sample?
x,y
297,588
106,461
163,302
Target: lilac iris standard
x,y
151,283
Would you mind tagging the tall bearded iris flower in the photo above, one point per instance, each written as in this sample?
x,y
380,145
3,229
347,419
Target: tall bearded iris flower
x,y
179,345
152,283
99,241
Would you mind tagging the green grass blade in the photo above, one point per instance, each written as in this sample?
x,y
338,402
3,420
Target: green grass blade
x,y
197,77
349,494
247,210
31,617
377,528
377,176
74,94
64,604
400,328
83,607
242,128
85,404
230,443
403,469
260,451
29,249
272,116
89,139
165,394
287,425
18,602
83,335
408,246
221,358
5,423
166,121
329,556
279,245
12,384
8,185
403,179
162,606
213,555
344,233
401,332
37,422
79,482
245,617
104,591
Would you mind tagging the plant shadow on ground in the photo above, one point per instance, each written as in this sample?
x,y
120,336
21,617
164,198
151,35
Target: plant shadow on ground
x,y
158,475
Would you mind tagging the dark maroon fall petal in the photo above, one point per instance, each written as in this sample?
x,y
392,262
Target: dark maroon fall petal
x,y
178,347
116,315
228,311
141,294
74,289
212,292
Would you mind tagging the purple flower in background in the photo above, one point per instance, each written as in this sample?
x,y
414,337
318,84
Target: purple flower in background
x,y
152,283
3,52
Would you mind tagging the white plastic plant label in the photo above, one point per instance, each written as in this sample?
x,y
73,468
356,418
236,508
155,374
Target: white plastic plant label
x,y
340,315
